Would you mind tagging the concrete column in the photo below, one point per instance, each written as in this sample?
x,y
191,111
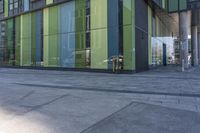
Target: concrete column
x,y
184,24
199,46
195,45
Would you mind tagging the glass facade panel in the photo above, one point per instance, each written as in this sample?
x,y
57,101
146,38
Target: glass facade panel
x,y
49,2
9,43
17,41
5,8
26,5
129,48
80,27
51,43
33,39
150,34
160,38
26,40
128,35
67,35
173,5
99,49
59,36
182,4
99,34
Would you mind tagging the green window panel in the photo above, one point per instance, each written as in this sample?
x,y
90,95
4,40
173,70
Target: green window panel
x,y
98,14
25,52
9,42
25,40
17,41
129,47
129,34
182,4
164,4
53,59
51,41
173,5
80,15
9,29
99,41
49,2
157,27
46,38
33,38
99,49
46,21
177,5
127,12
54,45
26,26
80,28
9,53
5,8
150,34
53,20
46,49
80,52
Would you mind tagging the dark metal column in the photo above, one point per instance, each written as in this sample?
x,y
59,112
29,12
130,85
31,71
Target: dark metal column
x,y
199,46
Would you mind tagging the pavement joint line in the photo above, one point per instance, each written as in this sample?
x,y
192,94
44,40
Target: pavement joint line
x,y
32,108
100,121
66,74
27,95
167,77
110,90
112,75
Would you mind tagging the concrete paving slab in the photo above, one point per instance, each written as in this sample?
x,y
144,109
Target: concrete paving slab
x,y
146,118
70,102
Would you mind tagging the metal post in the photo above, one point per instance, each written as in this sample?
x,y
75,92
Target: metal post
x,y
199,46
183,68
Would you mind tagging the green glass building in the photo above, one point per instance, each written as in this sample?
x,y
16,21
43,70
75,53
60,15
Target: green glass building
x,y
100,35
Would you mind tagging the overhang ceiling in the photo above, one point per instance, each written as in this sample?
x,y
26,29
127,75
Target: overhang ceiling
x,y
171,20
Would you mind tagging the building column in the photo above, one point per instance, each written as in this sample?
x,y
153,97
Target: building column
x,y
195,45
184,23
199,46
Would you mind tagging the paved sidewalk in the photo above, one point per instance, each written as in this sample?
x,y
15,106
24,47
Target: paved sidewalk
x,y
41,101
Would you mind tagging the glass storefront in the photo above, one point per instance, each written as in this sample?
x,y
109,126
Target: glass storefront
x,y
75,34
85,34
162,42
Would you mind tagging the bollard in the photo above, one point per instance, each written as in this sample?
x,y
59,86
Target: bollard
x,y
114,59
113,64
183,63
